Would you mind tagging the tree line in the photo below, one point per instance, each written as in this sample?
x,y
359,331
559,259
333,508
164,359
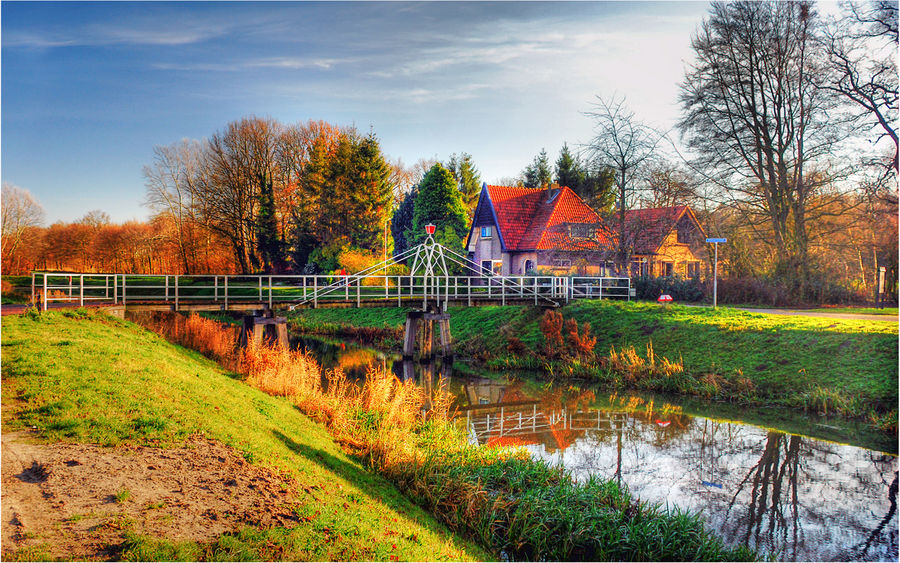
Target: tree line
x,y
788,123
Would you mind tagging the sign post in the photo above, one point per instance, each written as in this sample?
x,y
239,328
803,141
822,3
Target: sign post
x,y
716,242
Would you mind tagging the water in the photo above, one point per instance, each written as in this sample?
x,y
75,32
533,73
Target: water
x,y
800,498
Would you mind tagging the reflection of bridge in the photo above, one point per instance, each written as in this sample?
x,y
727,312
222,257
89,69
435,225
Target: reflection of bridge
x,y
526,422
437,276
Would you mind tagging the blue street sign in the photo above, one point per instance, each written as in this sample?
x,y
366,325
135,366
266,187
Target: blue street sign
x,y
717,240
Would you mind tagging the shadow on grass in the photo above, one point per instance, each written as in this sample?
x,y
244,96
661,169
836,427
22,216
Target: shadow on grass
x,y
375,487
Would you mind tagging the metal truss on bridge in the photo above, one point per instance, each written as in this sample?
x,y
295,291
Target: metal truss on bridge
x,y
437,275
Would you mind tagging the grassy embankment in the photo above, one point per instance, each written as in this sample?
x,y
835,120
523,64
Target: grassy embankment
x,y
846,367
509,503
86,377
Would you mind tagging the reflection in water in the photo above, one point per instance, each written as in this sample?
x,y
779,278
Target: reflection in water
x,y
795,497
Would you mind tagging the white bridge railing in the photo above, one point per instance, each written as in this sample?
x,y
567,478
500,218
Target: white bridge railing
x,y
272,290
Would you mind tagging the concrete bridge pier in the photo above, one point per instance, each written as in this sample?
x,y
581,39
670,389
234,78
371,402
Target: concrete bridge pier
x,y
420,326
264,327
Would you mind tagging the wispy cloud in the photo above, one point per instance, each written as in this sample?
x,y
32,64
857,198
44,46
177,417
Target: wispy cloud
x,y
150,32
287,63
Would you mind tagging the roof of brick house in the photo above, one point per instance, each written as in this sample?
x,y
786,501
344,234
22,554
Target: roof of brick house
x,y
541,219
652,226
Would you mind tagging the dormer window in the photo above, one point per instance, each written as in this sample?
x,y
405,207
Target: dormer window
x,y
580,231
486,232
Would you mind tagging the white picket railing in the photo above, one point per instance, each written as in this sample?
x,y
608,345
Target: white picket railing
x,y
272,290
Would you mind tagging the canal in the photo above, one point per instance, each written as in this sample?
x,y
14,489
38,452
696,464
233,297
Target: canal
x,y
798,487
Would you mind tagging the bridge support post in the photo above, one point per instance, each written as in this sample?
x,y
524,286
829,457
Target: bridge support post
x,y
266,327
420,326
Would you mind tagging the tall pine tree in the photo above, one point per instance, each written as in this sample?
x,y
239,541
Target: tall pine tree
x,y
439,202
467,179
537,174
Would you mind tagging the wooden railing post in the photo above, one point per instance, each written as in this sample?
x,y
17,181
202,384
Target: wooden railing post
x,y
124,283
167,289
226,292
32,287
44,301
81,290
176,292
270,292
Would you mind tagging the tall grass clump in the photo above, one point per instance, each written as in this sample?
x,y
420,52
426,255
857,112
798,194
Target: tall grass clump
x,y
516,506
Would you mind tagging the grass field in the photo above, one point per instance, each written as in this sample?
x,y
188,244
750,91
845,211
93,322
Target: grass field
x,y
802,362
85,377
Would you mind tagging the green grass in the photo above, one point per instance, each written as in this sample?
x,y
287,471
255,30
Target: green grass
x,y
79,376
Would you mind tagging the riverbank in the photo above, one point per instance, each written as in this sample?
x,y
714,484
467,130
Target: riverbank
x,y
848,367
510,504
129,447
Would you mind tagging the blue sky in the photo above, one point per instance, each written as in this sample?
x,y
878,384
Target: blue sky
x,y
88,89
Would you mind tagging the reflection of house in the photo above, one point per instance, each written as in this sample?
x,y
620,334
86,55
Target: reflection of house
x,y
522,230
516,231
666,241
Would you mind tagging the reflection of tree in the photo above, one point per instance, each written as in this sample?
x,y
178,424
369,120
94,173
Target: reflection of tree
x,y
767,480
892,497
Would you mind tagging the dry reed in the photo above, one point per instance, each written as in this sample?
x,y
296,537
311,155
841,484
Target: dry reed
x,y
376,418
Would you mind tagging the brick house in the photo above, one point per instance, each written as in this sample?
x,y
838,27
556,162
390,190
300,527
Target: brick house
x,y
665,241
518,231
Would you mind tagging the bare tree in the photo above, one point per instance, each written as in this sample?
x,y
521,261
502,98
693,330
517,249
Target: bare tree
x,y
173,185
759,126
625,145
240,165
861,50
20,211
669,185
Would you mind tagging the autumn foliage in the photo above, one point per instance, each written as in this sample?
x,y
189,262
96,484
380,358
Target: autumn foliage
x,y
576,342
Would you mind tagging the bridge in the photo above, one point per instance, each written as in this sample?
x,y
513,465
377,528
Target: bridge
x,y
438,278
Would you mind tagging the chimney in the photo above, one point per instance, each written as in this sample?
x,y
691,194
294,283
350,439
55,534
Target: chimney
x,y
552,189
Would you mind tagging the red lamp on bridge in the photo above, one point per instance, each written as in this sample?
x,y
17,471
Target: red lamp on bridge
x,y
429,228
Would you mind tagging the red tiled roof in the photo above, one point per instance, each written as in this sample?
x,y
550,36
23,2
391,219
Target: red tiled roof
x,y
528,221
651,226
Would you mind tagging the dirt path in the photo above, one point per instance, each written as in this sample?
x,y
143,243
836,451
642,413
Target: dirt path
x,y
804,313
76,501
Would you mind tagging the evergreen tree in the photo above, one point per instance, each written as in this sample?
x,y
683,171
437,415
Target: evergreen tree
x,y
467,179
537,174
349,193
268,244
439,202
569,171
402,222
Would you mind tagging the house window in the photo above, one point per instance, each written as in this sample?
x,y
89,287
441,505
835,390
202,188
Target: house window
x,y
562,263
529,266
486,266
639,268
693,269
580,231
486,232
668,268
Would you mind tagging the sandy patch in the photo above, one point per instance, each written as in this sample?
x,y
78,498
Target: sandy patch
x,y
76,501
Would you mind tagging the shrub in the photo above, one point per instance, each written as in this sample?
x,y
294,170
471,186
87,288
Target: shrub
x,y
581,345
681,289
551,328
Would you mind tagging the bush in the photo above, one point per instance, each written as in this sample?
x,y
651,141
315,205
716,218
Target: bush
x,y
681,289
780,292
